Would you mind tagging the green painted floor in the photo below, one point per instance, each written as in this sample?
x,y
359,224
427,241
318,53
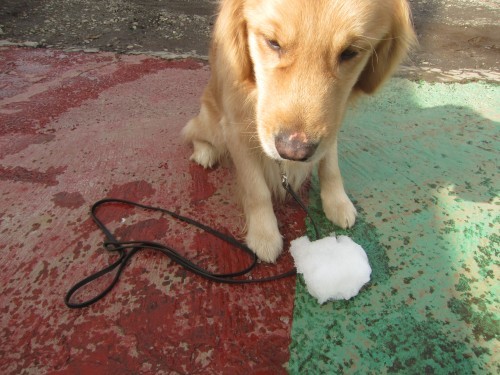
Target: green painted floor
x,y
420,161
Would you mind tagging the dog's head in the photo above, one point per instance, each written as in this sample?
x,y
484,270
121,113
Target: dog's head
x,y
306,59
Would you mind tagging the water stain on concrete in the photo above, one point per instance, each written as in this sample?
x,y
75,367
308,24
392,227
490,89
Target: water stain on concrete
x,y
22,174
68,200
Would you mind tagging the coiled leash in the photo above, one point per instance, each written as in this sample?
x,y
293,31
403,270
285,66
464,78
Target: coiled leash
x,y
127,249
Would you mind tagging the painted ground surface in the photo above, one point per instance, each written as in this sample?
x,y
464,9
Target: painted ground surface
x,y
76,128
421,161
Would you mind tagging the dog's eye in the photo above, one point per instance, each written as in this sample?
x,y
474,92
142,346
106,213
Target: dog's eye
x,y
273,44
347,54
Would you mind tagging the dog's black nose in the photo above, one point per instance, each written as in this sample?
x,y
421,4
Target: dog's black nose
x,y
294,146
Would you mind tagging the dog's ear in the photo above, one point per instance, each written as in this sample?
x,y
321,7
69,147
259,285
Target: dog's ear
x,y
231,39
389,52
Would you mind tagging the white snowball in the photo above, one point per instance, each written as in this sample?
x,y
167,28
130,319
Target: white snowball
x,y
333,268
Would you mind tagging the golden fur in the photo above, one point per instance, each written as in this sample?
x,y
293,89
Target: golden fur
x,y
291,67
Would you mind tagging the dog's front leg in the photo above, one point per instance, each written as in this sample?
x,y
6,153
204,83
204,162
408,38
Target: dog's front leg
x,y
336,204
263,235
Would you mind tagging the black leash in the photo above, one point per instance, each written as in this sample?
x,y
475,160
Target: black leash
x,y
128,249
288,188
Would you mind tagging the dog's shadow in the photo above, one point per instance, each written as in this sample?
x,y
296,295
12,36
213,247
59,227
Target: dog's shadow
x,y
420,161
401,136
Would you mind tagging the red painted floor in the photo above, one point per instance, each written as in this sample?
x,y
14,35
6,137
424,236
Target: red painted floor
x,y
75,128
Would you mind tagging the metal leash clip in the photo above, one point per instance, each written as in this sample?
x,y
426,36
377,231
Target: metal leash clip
x,y
284,177
284,181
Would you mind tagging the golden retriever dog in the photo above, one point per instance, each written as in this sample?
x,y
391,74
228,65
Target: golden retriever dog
x,y
282,74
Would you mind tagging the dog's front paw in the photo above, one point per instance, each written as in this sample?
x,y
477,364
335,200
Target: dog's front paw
x,y
340,211
204,154
266,242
